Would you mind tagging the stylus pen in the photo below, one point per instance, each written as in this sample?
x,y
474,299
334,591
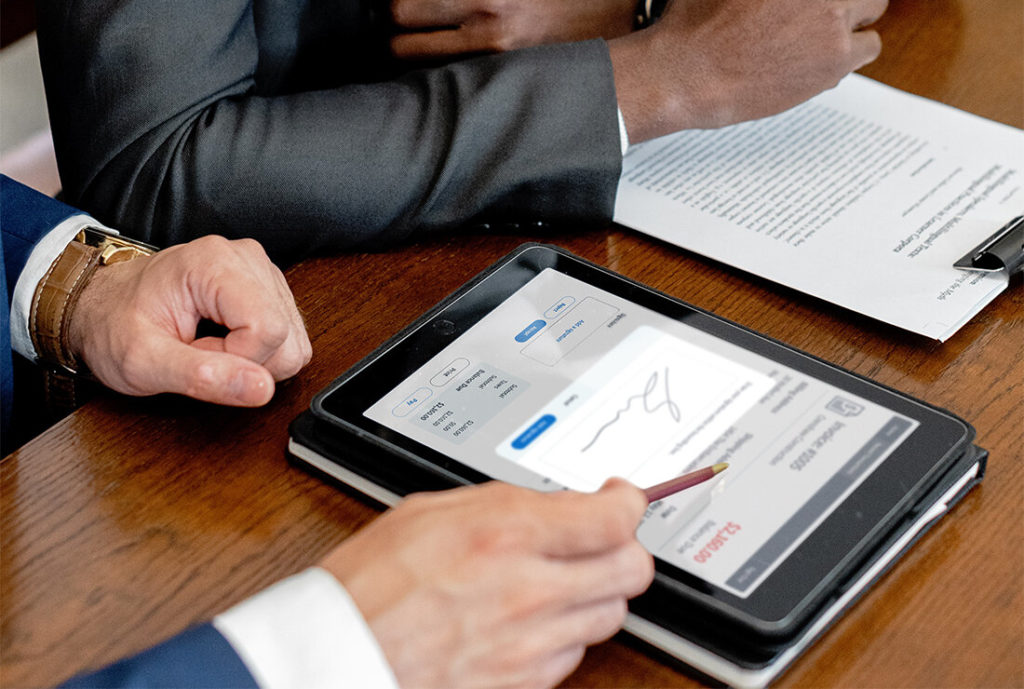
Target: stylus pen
x,y
674,485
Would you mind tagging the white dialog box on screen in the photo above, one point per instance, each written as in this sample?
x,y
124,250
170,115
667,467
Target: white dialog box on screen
x,y
642,412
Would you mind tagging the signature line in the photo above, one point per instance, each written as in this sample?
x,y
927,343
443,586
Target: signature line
x,y
652,382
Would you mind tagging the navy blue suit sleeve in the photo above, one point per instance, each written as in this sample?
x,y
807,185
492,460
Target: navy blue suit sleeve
x,y
6,363
25,216
199,657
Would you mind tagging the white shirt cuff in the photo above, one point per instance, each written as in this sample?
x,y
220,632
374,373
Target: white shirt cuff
x,y
305,632
623,134
39,261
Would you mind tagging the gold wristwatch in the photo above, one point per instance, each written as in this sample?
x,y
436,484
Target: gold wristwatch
x,y
57,293
114,248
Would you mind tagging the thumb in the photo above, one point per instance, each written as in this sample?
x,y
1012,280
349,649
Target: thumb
x,y
212,376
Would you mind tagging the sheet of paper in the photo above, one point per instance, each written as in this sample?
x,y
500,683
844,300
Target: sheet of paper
x,y
863,196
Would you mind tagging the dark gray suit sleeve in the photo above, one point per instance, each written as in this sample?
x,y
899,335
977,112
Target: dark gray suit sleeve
x,y
161,130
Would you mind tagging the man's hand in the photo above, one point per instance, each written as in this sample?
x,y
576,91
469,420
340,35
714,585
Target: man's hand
x,y
445,28
135,324
496,585
717,62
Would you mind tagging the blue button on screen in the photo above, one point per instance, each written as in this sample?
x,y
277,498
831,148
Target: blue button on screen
x,y
530,330
531,433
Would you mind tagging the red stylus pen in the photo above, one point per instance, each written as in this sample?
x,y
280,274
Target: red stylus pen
x,y
674,485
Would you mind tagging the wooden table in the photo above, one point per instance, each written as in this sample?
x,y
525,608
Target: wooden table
x,y
133,519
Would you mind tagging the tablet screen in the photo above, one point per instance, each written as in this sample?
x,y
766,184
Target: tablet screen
x,y
564,384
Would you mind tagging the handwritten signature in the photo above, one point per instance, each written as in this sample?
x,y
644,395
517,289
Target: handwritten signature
x,y
645,398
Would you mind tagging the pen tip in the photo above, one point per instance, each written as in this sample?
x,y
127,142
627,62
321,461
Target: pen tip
x,y
720,467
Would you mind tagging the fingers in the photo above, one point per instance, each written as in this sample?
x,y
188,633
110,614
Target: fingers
x,y
624,572
455,28
283,362
576,627
865,47
866,12
548,587
590,523
557,667
461,31
418,14
545,648
444,28
442,43
477,35
242,290
562,524
276,346
206,375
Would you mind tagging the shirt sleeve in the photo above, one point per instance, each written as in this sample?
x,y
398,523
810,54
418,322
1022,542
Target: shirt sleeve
x,y
305,632
39,261
623,134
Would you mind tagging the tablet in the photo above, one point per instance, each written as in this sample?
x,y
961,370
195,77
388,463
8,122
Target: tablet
x,y
550,372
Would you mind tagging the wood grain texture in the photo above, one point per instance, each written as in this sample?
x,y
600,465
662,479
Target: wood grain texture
x,y
132,519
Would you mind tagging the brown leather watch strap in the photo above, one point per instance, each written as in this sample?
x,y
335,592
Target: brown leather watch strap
x,y
54,302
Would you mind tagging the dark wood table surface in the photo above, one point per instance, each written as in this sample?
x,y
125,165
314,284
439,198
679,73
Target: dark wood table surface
x,y
132,519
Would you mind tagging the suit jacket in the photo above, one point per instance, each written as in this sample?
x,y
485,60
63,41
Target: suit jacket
x,y
25,216
200,657
286,120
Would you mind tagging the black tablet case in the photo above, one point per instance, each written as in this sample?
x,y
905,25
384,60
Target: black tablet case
x,y
364,455
658,605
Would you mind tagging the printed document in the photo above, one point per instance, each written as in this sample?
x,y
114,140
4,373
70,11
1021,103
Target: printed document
x,y
864,196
